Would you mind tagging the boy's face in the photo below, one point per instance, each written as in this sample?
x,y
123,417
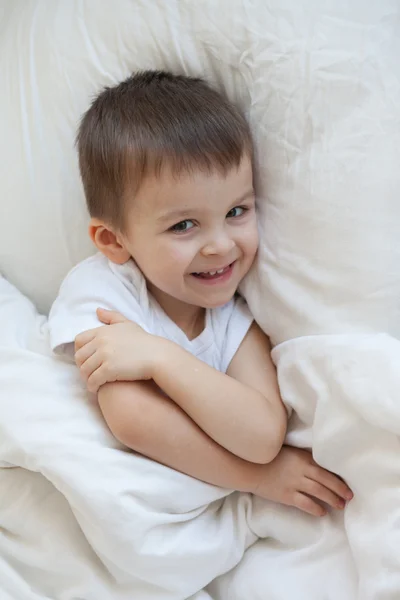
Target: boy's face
x,y
194,237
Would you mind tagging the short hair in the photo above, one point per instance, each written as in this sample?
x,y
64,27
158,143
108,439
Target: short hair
x,y
151,120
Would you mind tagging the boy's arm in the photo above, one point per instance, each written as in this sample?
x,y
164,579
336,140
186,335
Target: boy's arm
x,y
142,418
241,410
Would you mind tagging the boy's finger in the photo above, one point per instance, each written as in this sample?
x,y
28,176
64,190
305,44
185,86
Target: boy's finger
x,y
96,380
308,505
110,317
84,338
320,492
90,366
84,353
331,481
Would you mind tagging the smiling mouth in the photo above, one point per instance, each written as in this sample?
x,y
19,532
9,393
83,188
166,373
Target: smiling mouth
x,y
213,274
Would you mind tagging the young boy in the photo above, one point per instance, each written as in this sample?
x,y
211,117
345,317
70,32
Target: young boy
x,y
182,373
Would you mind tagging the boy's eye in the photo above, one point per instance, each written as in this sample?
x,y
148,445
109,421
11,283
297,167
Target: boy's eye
x,y
182,226
238,211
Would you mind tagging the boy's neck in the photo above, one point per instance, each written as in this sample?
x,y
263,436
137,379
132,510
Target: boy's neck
x,y
189,318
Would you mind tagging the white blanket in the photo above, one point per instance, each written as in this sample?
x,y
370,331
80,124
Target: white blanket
x,y
82,518
113,525
346,394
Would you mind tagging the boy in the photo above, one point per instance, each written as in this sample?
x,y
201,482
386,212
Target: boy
x,y
184,376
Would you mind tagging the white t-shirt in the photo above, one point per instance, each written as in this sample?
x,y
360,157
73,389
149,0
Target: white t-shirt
x,y
98,283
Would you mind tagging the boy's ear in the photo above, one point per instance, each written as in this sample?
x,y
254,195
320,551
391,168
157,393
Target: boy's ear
x,y
107,242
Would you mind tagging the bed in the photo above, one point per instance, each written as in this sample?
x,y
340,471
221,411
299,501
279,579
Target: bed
x,y
82,518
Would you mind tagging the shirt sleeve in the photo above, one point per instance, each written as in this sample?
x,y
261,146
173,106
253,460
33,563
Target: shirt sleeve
x,y
237,326
93,284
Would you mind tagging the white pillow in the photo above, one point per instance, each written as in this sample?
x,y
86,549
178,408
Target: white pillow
x,y
321,87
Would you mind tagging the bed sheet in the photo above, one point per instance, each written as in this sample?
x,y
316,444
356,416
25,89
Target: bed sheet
x,y
100,522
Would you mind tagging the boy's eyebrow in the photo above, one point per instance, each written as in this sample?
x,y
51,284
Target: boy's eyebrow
x,y
179,213
246,195
182,213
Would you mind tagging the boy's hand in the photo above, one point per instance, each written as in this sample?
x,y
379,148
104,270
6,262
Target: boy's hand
x,y
119,351
295,479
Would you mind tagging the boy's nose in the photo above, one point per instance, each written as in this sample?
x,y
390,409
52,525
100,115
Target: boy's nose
x,y
220,246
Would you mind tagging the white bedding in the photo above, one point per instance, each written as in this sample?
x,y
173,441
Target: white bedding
x,y
347,388
320,84
140,518
87,519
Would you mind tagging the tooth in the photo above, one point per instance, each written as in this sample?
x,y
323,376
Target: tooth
x,y
212,272
221,271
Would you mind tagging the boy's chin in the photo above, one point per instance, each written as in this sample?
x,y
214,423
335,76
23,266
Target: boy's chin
x,y
217,302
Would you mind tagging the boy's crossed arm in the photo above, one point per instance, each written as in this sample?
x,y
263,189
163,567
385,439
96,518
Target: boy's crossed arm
x,y
144,419
241,410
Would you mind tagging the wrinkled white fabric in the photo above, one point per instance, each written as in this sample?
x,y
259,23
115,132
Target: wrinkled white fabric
x,y
101,522
320,83
127,526
345,392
